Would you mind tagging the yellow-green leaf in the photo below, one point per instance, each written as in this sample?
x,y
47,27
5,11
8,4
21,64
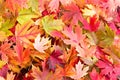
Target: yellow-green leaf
x,y
50,24
26,15
33,4
105,37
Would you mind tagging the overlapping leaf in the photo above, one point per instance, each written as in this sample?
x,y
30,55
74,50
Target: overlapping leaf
x,y
26,32
26,15
105,38
80,71
50,24
41,44
59,40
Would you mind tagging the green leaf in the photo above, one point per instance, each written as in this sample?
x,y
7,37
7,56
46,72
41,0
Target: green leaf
x,y
25,15
105,37
50,24
6,26
34,5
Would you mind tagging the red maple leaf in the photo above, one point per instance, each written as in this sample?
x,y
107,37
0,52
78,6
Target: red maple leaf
x,y
54,59
94,24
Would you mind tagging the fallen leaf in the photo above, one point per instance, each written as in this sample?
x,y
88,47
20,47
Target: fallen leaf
x,y
41,44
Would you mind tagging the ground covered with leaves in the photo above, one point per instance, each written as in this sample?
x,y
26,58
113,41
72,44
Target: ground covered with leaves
x,y
59,40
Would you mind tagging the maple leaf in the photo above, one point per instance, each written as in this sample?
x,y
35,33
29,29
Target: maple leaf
x,y
94,75
10,4
50,24
15,55
68,70
36,73
58,75
41,44
105,39
41,75
70,56
33,4
78,40
86,52
94,24
57,34
13,5
22,56
80,71
26,15
54,58
74,37
54,4
61,73
109,69
107,66
89,60
42,4
4,29
113,50
72,12
5,51
90,11
26,32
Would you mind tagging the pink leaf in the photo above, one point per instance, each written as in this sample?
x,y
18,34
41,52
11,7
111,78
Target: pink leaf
x,y
54,5
41,44
95,75
73,12
81,71
57,34
113,27
74,37
110,70
3,71
41,5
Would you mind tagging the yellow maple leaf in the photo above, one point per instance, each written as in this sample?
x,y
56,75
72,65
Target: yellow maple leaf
x,y
2,63
89,11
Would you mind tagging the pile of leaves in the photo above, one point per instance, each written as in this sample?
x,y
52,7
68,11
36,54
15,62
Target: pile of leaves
x,y
59,40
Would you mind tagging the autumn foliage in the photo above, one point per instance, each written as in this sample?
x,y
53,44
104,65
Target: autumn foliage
x,y
59,40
